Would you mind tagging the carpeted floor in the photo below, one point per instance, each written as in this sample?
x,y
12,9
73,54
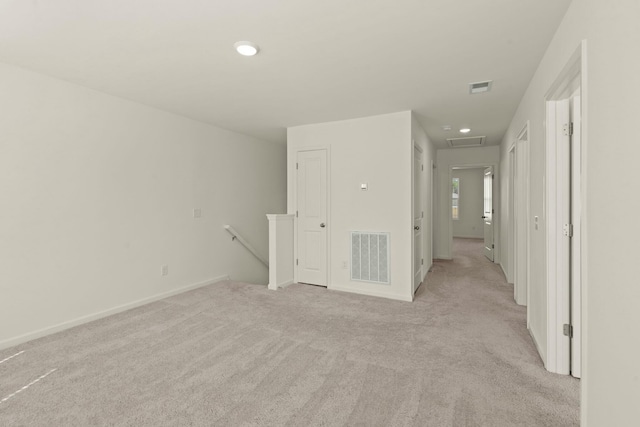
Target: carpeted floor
x,y
235,354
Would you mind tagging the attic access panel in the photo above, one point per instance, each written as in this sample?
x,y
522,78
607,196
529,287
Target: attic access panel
x,y
467,141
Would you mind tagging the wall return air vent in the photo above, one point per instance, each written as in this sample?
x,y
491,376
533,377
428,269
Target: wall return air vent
x,y
467,141
370,257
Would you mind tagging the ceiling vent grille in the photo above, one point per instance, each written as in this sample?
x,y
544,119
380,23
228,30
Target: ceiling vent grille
x,y
479,87
469,141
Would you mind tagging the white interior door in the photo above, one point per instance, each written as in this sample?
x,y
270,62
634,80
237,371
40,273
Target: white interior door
x,y
576,253
417,217
559,218
311,263
488,213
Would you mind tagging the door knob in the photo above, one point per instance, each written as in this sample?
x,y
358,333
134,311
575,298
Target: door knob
x,y
323,225
417,227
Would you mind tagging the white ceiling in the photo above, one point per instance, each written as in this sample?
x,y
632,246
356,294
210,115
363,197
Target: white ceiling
x,y
319,61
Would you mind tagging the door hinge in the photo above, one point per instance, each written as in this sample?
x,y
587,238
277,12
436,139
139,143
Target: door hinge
x,y
422,167
296,261
422,261
493,211
567,129
493,246
422,214
296,165
493,177
567,230
296,214
567,330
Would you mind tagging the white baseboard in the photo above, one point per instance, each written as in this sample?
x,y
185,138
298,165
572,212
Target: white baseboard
x,y
280,285
407,298
506,278
21,339
535,342
469,237
285,284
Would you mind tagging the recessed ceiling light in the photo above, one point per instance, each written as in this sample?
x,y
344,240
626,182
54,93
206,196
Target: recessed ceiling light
x,y
465,130
246,48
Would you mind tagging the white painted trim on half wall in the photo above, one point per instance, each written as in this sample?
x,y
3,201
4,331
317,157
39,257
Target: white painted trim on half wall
x,y
101,314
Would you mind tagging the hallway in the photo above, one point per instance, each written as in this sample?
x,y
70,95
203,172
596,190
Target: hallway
x,y
496,376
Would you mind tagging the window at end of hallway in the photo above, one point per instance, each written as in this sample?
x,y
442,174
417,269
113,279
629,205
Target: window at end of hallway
x,y
455,198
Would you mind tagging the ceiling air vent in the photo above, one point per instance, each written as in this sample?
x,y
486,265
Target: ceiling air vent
x,y
469,141
480,87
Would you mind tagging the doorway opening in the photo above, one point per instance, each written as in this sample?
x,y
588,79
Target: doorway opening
x,y
519,207
418,217
472,212
565,196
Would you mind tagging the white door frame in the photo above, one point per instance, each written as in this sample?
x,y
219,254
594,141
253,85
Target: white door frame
x,y
432,210
327,148
521,229
558,303
491,214
511,230
419,149
496,197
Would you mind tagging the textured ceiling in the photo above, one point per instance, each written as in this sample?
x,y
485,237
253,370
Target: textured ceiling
x,y
319,61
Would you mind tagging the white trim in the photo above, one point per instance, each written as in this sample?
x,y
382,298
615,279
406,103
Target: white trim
x,y
504,271
523,143
371,293
511,214
496,216
280,217
275,272
558,304
584,245
423,208
99,315
285,284
540,352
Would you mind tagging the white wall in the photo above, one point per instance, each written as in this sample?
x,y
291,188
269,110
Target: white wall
x,y
98,193
445,160
611,350
470,203
374,150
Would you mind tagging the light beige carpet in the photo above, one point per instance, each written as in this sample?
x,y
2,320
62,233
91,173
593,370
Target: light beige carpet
x,y
235,354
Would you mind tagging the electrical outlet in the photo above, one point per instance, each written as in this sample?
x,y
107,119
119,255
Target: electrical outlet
x,y
197,213
345,265
164,270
